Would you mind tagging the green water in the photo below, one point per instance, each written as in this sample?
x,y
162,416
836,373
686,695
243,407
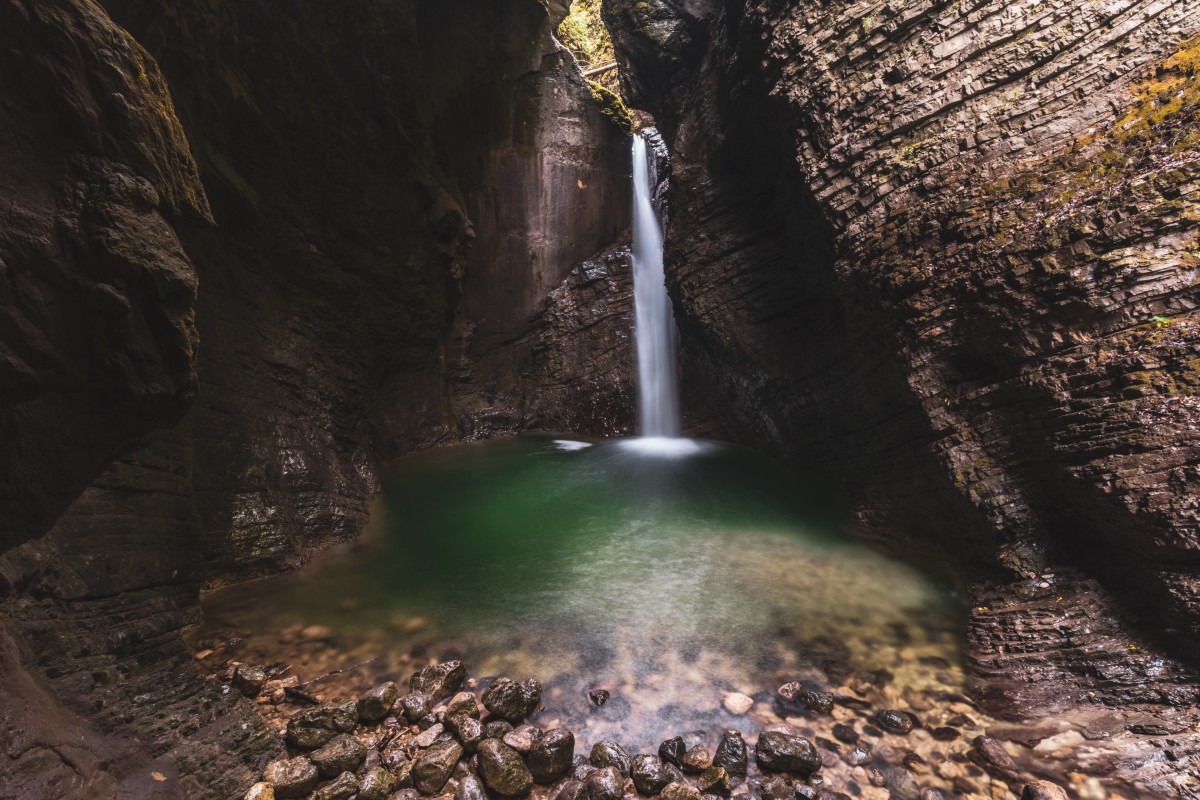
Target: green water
x,y
667,579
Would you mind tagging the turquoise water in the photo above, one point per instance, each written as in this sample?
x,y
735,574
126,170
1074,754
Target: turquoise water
x,y
669,579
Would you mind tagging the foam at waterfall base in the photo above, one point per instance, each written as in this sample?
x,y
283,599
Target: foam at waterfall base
x,y
663,446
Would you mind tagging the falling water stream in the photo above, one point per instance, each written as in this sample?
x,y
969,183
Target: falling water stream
x,y
669,582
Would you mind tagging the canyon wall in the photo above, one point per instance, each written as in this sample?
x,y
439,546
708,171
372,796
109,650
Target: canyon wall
x,y
948,253
249,254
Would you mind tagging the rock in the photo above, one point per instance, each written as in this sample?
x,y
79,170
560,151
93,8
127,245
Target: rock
x,y
502,769
648,773
551,755
860,755
782,752
416,706
432,770
292,777
470,788
403,773
901,784
815,701
469,732
461,705
598,697
512,701
737,703
438,680
376,784
375,704
930,793
606,783
1043,790
732,754
248,679
678,790
430,735
696,759
945,734
991,755
406,794
845,733
611,754
313,727
522,737
715,780
803,792
672,751
260,791
343,788
571,790
496,729
892,721
826,794
341,754
775,787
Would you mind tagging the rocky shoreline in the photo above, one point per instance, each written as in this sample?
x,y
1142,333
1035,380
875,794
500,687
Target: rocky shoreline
x,y
455,736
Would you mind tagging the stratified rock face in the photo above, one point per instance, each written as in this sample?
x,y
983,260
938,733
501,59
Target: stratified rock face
x,y
377,272
97,296
949,255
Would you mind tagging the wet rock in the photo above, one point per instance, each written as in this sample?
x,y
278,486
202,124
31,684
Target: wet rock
x,y
991,755
803,792
433,768
696,759
428,736
678,790
672,751
406,794
775,787
815,701
403,774
827,794
782,752
611,754
469,732
732,754
470,788
461,705
341,754
512,701
571,790
376,784
551,755
502,769
892,721
945,734
343,788
415,706
1043,790
260,791
496,729
374,705
605,783
313,727
438,680
845,733
292,777
715,780
930,793
737,703
249,679
522,737
860,755
649,774
914,763
902,784
598,697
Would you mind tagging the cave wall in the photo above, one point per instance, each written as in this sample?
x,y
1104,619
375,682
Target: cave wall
x,y
947,254
249,255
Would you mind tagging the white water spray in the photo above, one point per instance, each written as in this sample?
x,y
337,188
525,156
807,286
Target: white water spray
x,y
654,318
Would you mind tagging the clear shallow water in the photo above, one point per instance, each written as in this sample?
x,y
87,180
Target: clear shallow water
x,y
668,576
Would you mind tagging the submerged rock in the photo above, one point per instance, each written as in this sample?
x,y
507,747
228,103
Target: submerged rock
x,y
598,697
1043,790
513,701
502,768
374,705
611,754
892,721
433,768
606,783
991,755
551,755
292,777
648,773
732,754
782,752
438,680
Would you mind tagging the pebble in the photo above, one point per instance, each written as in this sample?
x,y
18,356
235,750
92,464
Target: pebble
x,y
696,759
522,737
377,784
672,751
715,780
611,754
605,783
732,753
292,777
249,679
374,705
737,703
845,733
470,788
1043,790
991,755
649,774
678,790
893,721
432,770
599,696
427,737
416,705
945,734
782,752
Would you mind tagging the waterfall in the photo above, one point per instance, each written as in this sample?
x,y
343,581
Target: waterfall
x,y
654,326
